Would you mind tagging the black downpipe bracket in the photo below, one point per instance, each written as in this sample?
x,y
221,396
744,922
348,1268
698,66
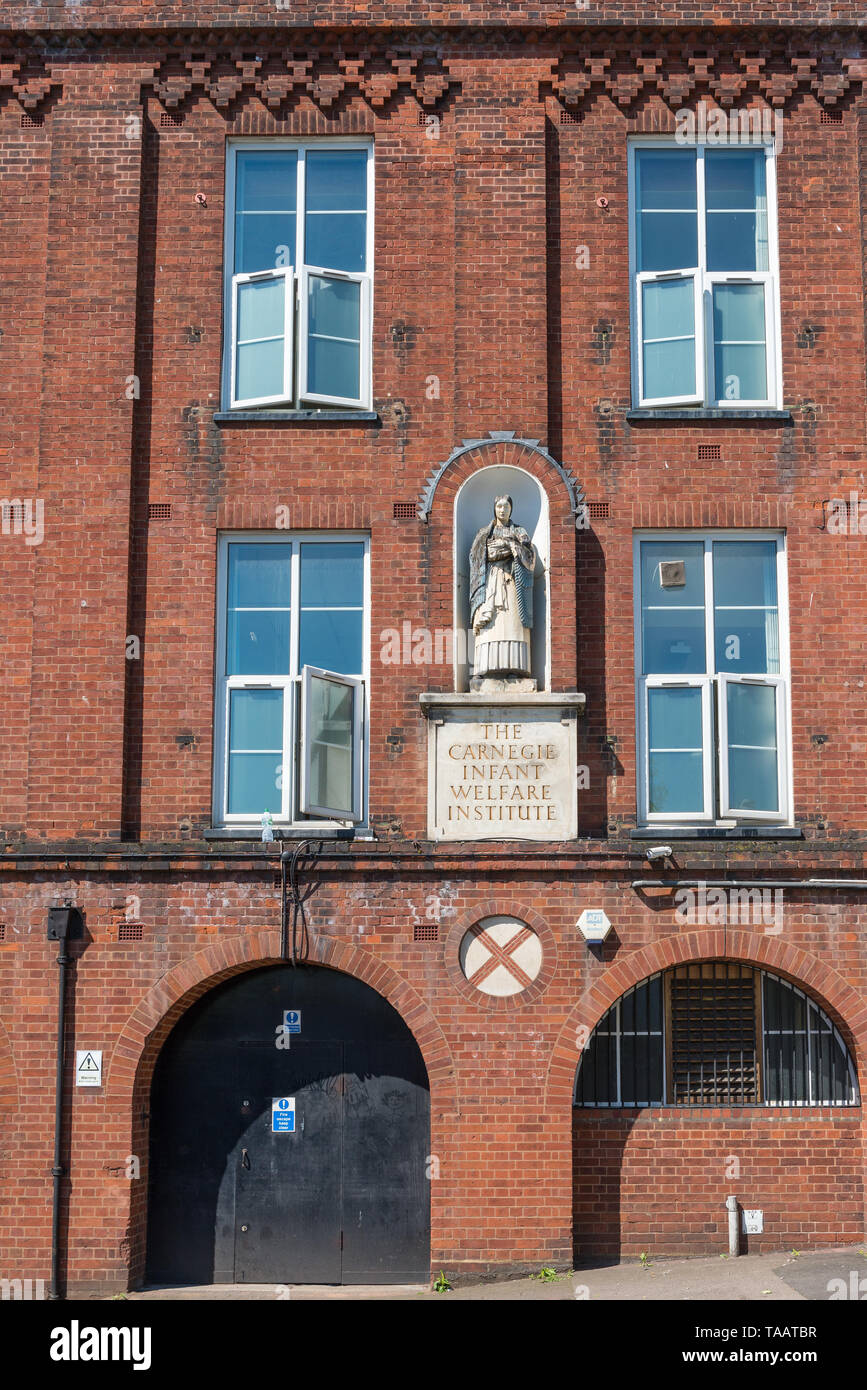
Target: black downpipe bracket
x,y
64,925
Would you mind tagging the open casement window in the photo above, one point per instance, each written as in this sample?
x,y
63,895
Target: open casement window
x,y
677,741
299,245
334,332
712,687
263,335
752,724
703,252
292,659
715,1033
332,710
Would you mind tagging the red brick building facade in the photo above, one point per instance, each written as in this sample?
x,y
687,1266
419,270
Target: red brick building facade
x,y
501,282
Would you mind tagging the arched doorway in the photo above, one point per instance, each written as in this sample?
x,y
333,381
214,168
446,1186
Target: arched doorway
x,y
289,1157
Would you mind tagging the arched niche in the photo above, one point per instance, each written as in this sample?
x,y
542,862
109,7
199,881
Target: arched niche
x,y
474,507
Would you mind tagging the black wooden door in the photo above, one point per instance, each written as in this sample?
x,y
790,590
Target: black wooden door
x,y
342,1196
287,1184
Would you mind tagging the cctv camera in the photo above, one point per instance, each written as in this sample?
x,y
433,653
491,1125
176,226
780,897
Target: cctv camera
x,y
659,852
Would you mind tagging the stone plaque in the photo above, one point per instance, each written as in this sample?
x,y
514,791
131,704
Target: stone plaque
x,y
502,771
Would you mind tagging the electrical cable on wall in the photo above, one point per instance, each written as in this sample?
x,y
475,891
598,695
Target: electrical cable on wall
x,y
295,946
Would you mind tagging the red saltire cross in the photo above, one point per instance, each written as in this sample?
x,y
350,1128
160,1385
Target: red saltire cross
x,y
500,955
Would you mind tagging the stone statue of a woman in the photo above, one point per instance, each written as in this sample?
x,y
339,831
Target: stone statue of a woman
x,y
502,562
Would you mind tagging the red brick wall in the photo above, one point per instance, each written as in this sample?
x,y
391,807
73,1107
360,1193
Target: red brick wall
x,y
657,1180
109,268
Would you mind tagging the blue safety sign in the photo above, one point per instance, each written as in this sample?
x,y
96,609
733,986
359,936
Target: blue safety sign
x,y
283,1115
292,1021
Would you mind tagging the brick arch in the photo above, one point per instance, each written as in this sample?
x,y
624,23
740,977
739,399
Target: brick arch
x,y
9,1098
565,494
138,1046
840,1000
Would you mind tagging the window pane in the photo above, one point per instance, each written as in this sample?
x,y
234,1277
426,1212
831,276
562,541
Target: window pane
x,y
336,221
667,216
674,718
673,621
259,576
336,241
676,777
676,783
746,619
332,640
332,599
257,643
259,365
331,752
264,241
668,327
752,752
674,642
259,371
265,195
333,345
752,715
332,575
254,783
256,720
257,637
336,180
737,217
745,573
255,723
740,364
266,180
261,309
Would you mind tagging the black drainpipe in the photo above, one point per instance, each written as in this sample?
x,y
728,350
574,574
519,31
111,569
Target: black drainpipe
x,y
64,924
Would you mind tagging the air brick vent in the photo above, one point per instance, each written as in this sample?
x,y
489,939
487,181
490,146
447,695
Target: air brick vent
x,y
404,511
709,451
29,122
169,120
569,118
831,118
159,511
129,931
598,511
426,933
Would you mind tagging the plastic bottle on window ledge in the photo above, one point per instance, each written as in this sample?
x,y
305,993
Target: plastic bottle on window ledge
x,y
267,831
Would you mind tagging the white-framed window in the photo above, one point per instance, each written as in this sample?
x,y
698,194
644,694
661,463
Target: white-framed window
x,y
298,294
292,659
712,689
704,269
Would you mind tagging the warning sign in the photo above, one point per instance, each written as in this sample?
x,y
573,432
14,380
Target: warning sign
x,y
283,1115
88,1068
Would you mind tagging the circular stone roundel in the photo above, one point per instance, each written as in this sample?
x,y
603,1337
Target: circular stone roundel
x,y
500,956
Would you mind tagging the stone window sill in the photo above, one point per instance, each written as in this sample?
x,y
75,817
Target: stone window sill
x,y
288,832
296,417
717,832
782,417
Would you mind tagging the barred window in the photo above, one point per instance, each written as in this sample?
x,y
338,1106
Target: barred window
x,y
715,1033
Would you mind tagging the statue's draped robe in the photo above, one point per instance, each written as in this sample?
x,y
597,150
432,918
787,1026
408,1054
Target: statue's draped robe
x,y
501,602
